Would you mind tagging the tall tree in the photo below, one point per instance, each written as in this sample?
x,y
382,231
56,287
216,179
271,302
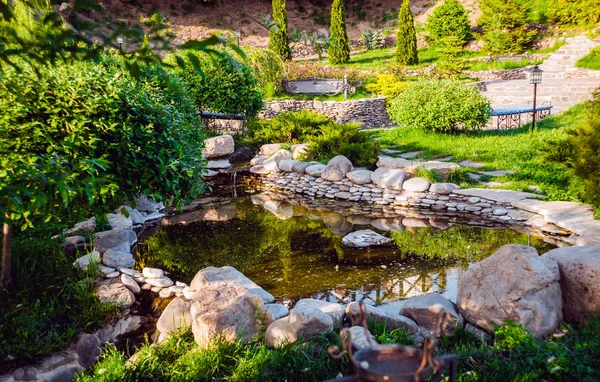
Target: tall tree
x,y
339,46
505,25
449,20
406,36
278,36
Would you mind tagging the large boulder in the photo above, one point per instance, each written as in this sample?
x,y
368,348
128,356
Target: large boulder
x,y
218,146
342,162
365,238
272,163
360,176
391,321
388,178
176,315
118,259
315,169
269,149
333,173
287,165
116,239
228,276
299,150
513,284
579,281
111,290
228,312
427,310
299,324
335,311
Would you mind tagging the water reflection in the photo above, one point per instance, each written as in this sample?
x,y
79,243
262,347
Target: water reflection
x,y
294,250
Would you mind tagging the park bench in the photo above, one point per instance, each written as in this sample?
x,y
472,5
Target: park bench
x,y
223,123
329,87
506,118
509,57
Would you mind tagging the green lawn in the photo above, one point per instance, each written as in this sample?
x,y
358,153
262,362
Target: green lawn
x,y
501,65
517,150
591,61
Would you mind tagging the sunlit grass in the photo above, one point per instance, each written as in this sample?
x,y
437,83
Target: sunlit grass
x,y
591,61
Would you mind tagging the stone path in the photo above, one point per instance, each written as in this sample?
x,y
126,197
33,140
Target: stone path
x,y
563,85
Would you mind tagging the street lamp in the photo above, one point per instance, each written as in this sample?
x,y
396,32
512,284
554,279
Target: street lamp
x,y
120,41
535,78
238,34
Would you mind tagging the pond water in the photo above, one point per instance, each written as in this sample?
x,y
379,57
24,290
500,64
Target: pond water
x,y
294,252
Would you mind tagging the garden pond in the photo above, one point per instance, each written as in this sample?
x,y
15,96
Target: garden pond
x,y
295,252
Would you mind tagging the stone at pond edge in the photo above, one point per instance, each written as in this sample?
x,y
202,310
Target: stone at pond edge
x,y
287,165
88,349
82,228
388,178
160,282
220,164
299,324
425,311
84,261
116,239
416,185
118,259
335,311
579,269
342,162
227,311
391,321
277,310
360,176
218,146
269,149
443,188
130,283
315,170
513,284
115,292
333,173
227,276
272,163
359,339
259,170
364,238
389,162
152,272
175,316
299,150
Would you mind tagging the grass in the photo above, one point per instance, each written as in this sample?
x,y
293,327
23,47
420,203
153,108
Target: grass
x,y
501,65
591,61
51,302
512,355
515,149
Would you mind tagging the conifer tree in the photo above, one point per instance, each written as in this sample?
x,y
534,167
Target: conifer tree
x,y
406,36
339,46
278,36
449,20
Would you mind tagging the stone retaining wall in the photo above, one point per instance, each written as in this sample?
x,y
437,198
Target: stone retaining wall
x,y
498,75
370,111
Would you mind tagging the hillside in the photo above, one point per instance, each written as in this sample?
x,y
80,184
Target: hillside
x,y
193,19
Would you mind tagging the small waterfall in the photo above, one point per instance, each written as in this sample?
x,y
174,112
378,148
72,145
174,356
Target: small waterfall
x,y
234,184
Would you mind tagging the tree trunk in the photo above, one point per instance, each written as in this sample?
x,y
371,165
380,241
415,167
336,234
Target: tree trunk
x,y
6,277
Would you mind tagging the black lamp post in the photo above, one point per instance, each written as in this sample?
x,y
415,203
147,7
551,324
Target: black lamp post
x,y
535,78
120,41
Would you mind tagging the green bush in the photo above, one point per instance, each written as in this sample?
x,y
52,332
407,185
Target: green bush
x,y
326,139
504,24
225,84
373,39
406,36
579,151
449,19
441,105
267,68
574,12
339,45
278,35
387,85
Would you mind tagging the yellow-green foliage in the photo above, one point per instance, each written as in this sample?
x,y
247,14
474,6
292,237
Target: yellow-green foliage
x,y
406,36
339,46
278,36
387,85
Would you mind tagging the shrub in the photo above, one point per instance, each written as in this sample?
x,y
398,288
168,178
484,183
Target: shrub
x,y
339,46
505,26
267,68
574,12
450,19
278,35
450,49
441,105
387,85
373,39
406,36
290,127
226,85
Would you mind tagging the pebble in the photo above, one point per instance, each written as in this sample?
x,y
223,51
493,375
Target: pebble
x,y
156,289
130,283
147,287
129,271
113,275
154,273
166,293
188,293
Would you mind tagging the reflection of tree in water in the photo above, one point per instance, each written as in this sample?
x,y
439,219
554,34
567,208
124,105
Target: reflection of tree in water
x,y
303,256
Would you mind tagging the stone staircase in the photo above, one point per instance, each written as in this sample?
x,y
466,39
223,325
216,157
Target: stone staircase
x,y
563,85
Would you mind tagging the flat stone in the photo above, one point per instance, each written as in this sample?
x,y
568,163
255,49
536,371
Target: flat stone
x,y
84,261
218,146
411,154
443,168
112,275
365,238
572,216
114,292
497,173
258,160
129,271
228,276
360,176
390,162
161,282
117,259
259,170
414,222
416,185
315,170
425,311
391,321
220,164
342,195
443,188
468,163
277,310
388,178
335,311
152,272
394,225
209,173
130,283
498,196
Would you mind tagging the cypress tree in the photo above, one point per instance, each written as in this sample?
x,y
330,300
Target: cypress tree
x,y
339,46
406,36
278,36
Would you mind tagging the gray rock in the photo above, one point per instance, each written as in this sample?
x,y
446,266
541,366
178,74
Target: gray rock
x,y
218,146
315,170
117,259
360,340
114,292
388,178
130,283
176,315
300,167
82,228
299,324
26,373
513,284
342,195
287,165
389,162
88,349
426,311
259,170
335,311
342,162
272,163
227,276
112,275
333,173
269,149
365,238
166,293
125,328
84,261
416,185
414,223
145,204
258,160
299,150
119,222
579,269
133,214
218,164
443,188
161,282
391,321
500,196
360,176
277,310
152,272
572,216
116,239
394,225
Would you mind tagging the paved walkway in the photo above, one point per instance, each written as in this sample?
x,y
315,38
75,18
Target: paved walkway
x,y
563,84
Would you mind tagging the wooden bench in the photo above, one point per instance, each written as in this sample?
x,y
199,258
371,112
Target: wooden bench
x,y
329,87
